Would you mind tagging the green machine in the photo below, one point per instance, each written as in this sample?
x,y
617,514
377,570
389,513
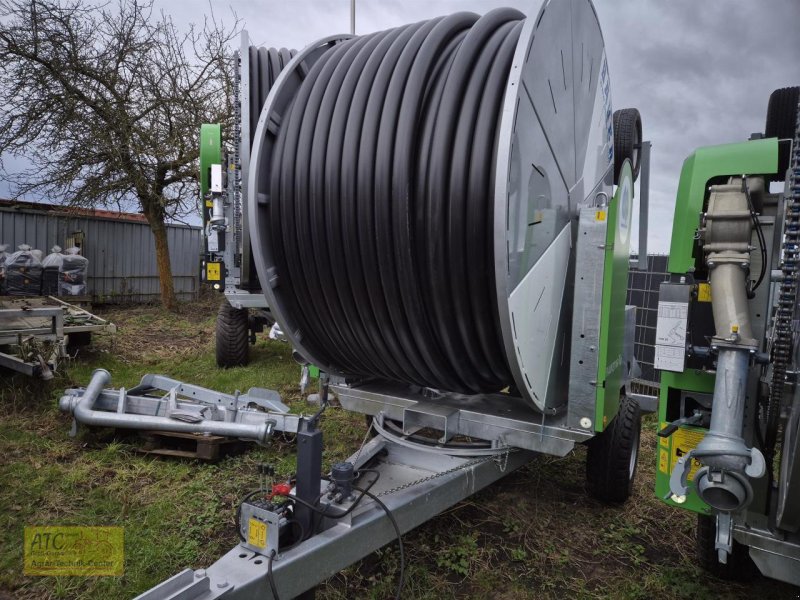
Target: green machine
x,y
227,262
729,406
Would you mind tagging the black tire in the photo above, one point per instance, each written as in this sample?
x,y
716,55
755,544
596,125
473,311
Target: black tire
x,y
78,340
613,455
740,567
627,141
781,123
233,336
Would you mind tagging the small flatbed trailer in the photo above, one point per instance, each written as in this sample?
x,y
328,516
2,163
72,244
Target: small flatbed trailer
x,y
35,332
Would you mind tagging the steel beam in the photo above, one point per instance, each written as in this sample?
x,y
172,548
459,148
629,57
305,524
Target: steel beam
x,y
498,418
442,481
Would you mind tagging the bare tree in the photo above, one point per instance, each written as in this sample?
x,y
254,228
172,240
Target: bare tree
x,y
106,101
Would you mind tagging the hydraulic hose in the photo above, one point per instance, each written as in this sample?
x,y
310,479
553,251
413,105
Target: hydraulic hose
x,y
381,202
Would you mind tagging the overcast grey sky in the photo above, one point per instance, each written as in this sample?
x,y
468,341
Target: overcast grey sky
x,y
700,72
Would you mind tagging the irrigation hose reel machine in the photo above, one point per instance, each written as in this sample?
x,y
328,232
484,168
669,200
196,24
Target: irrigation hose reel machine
x,y
427,249
726,345
434,221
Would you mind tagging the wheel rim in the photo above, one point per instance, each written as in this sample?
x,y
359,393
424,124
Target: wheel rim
x,y
634,455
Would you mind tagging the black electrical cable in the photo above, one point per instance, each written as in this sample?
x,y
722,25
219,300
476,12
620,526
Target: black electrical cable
x,y
270,577
381,203
401,580
759,234
299,539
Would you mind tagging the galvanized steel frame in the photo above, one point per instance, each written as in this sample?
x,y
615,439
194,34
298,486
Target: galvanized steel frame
x,y
441,482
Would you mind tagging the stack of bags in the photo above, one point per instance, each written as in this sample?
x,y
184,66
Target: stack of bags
x,y
23,272
51,270
73,272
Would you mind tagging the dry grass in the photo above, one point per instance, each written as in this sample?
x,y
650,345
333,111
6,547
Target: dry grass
x,y
147,334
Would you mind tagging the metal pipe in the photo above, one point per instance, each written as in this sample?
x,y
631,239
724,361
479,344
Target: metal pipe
x,y
84,413
729,303
644,205
727,461
724,443
217,211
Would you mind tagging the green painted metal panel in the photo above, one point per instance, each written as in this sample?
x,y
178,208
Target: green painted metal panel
x,y
690,381
610,367
210,153
756,157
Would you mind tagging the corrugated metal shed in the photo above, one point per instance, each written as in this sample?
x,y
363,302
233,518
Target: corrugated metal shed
x,y
119,246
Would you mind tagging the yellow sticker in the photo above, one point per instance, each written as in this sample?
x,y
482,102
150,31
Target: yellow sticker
x,y
663,442
600,215
213,271
663,461
682,441
257,533
704,292
209,204
83,551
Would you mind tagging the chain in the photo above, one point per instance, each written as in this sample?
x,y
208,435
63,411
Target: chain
x,y
500,459
787,295
237,151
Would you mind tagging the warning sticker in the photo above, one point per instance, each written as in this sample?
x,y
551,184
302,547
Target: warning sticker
x,y
671,324
671,336
257,533
703,292
663,461
682,441
213,271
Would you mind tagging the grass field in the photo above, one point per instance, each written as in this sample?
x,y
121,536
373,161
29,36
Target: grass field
x,y
535,534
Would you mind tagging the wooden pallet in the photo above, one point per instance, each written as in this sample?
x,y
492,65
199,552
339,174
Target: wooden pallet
x,y
188,445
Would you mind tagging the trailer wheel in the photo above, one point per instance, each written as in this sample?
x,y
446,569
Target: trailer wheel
x,y
627,141
740,567
232,336
613,455
781,122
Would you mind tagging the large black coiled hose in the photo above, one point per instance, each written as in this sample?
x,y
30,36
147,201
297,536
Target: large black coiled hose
x,y
265,66
381,202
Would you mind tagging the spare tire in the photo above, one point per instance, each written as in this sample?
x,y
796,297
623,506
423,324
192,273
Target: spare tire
x,y
627,141
782,124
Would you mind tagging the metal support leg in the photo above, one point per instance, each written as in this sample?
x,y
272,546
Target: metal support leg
x,y
309,467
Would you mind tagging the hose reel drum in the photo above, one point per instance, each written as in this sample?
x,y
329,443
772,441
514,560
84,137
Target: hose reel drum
x,y
419,226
